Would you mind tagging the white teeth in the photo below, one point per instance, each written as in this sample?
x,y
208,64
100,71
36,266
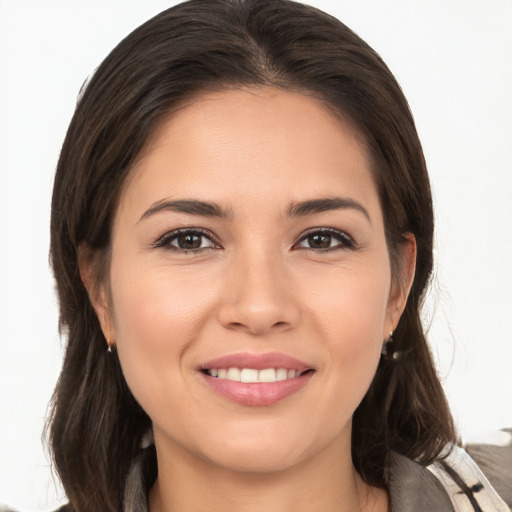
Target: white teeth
x,y
282,374
251,375
268,375
233,374
248,375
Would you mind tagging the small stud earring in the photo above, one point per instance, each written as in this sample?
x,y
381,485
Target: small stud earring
x,y
388,349
109,347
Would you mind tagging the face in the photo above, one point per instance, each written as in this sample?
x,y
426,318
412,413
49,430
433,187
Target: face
x,y
250,285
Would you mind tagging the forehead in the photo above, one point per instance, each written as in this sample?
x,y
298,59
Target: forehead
x,y
256,109
240,143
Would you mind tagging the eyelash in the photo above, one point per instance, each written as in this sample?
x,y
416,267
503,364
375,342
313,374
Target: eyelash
x,y
166,240
344,240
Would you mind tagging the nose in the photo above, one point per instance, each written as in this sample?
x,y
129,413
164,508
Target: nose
x,y
257,298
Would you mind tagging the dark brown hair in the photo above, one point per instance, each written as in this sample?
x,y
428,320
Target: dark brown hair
x,y
204,45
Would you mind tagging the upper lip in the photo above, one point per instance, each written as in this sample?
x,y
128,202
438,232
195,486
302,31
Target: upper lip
x,y
257,361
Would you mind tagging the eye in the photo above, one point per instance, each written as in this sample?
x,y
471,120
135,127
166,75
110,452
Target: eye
x,y
186,240
326,239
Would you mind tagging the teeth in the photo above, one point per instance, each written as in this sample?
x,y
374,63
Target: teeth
x,y
268,375
250,375
233,374
282,374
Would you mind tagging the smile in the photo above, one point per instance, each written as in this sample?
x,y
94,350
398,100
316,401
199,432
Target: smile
x,y
252,375
256,379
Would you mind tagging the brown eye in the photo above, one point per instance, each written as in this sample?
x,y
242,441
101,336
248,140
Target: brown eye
x,y
186,240
319,241
189,241
326,240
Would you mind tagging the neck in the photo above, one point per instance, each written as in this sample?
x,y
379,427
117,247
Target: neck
x,y
326,482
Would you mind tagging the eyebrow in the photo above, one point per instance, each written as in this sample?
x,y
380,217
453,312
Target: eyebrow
x,y
190,206
296,209
324,204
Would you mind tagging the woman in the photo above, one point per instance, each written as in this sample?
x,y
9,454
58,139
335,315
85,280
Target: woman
x,y
241,238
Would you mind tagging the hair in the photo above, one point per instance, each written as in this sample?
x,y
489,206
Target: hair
x,y
200,46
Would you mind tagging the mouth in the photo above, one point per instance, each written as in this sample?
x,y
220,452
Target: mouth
x,y
253,375
256,380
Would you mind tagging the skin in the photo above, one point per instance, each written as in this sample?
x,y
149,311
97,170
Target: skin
x,y
255,285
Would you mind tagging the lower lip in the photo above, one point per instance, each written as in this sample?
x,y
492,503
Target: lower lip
x,y
257,393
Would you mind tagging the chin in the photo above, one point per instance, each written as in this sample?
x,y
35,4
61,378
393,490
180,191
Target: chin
x,y
267,450
248,459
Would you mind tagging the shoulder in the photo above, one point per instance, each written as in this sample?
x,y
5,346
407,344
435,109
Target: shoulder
x,y
496,463
412,487
454,483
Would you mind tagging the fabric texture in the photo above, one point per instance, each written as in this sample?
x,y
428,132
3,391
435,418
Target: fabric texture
x,y
466,485
453,484
496,462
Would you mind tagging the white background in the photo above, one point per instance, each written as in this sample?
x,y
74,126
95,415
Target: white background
x,y
453,59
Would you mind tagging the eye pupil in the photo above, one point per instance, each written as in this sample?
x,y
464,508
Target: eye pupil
x,y
319,241
189,241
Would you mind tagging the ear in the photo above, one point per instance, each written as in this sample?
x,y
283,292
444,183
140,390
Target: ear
x,y
401,283
97,291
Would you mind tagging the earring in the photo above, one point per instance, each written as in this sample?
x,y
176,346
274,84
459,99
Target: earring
x,y
388,349
109,346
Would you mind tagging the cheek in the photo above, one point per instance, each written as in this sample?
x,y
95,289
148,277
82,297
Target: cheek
x,y
351,318
155,303
352,305
157,315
